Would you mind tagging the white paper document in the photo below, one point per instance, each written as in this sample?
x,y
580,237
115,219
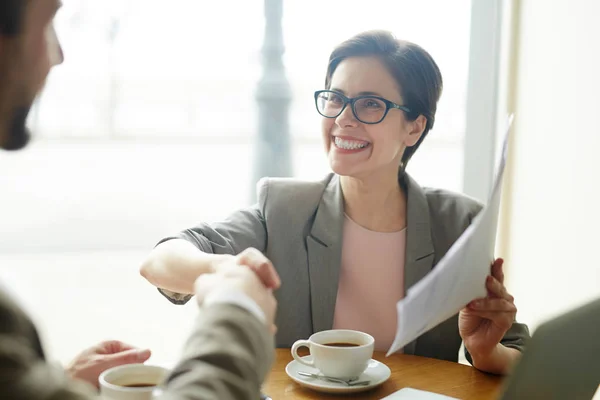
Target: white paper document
x,y
459,277
416,394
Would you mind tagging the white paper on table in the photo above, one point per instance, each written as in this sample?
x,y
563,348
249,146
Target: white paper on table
x,y
459,277
416,394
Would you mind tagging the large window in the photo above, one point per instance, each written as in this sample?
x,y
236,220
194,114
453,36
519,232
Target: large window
x,y
146,69
154,108
142,69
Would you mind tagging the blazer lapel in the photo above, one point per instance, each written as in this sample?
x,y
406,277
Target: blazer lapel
x,y
419,245
324,246
324,255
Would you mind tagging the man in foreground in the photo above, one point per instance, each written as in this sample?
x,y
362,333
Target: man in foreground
x,y
231,347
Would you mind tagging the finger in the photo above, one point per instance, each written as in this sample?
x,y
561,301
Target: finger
x,y
267,275
494,287
504,319
273,329
261,265
497,270
493,305
113,346
251,256
497,289
134,356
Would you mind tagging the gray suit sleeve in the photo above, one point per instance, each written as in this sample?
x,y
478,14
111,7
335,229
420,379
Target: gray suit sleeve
x,y
227,357
242,229
24,372
24,377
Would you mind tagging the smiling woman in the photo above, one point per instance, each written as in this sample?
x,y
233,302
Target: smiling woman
x,y
348,247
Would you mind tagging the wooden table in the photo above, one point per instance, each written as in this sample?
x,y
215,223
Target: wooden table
x,y
444,377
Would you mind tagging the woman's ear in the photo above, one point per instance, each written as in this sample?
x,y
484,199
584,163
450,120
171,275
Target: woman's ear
x,y
416,129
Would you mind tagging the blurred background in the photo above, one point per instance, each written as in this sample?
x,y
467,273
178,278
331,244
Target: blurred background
x,y
152,97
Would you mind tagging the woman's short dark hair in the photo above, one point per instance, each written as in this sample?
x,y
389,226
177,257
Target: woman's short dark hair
x,y
415,71
11,16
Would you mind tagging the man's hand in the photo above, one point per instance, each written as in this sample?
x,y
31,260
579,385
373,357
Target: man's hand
x,y
89,364
257,262
230,277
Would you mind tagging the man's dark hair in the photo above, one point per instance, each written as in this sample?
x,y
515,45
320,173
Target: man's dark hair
x,y
12,19
11,16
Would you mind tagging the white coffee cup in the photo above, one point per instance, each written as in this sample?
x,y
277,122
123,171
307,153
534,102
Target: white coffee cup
x,y
118,383
335,361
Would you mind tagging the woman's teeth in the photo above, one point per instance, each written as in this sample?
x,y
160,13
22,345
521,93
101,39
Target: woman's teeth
x,y
350,144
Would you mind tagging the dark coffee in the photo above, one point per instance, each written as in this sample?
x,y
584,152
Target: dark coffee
x,y
140,385
342,344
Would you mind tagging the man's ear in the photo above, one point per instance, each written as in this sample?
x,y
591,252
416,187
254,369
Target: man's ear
x,y
417,127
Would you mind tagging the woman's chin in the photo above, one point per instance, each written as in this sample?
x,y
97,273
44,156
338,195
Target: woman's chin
x,y
343,168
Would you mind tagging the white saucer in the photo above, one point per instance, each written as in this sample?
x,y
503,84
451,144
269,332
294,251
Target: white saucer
x,y
376,372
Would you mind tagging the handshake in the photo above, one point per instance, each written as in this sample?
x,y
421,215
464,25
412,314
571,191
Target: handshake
x,y
247,279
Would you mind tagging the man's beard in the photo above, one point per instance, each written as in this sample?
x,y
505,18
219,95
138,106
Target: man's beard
x,y
18,134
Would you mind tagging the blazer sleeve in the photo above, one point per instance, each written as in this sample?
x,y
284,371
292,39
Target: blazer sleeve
x,y
243,229
228,356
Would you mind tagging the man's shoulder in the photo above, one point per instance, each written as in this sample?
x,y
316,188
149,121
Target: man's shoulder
x,y
9,309
15,323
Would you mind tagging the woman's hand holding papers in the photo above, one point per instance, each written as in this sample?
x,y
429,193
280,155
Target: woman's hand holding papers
x,y
484,322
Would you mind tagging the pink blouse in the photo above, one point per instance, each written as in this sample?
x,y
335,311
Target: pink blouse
x,y
371,282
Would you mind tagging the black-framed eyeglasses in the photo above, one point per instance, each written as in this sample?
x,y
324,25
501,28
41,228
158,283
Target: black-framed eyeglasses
x,y
367,109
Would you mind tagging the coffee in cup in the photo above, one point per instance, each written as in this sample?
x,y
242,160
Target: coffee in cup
x,y
132,382
339,353
342,344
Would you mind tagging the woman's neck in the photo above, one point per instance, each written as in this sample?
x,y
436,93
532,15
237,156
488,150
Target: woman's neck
x,y
377,202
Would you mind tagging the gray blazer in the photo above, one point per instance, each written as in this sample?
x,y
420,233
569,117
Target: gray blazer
x,y
298,226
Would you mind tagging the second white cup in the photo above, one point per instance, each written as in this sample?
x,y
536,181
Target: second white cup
x,y
132,382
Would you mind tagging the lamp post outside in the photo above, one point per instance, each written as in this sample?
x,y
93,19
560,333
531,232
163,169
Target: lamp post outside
x,y
274,95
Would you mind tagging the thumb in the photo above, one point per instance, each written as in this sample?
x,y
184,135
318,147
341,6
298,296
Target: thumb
x,y
133,356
